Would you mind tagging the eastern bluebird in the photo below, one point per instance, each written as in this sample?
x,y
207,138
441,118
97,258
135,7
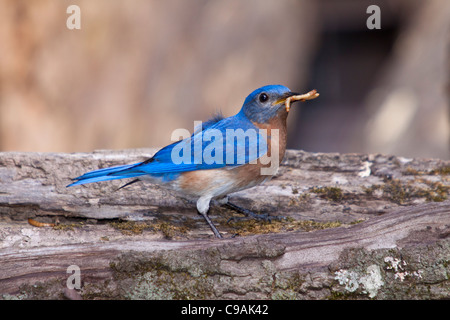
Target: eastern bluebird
x,y
222,156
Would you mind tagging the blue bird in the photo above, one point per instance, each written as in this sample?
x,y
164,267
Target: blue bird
x,y
223,156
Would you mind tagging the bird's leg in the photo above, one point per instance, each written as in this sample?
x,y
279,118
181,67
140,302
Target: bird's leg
x,y
251,214
211,225
203,208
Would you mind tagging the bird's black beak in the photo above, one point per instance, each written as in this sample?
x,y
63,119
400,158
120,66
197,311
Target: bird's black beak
x,y
284,97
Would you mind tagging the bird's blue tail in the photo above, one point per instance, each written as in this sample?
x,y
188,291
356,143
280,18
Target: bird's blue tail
x,y
106,174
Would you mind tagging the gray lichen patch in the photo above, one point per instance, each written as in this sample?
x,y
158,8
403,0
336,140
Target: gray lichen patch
x,y
407,273
370,282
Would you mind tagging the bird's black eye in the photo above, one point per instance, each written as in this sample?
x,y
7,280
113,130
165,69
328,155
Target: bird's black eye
x,y
263,97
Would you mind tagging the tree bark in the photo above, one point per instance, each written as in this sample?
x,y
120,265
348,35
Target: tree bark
x,y
356,227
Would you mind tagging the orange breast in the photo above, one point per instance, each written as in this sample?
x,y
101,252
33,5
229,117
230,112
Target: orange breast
x,y
276,123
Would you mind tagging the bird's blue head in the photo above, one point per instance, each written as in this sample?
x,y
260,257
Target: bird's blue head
x,y
266,102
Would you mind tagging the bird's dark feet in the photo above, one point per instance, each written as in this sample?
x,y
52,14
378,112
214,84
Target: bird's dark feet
x,y
250,214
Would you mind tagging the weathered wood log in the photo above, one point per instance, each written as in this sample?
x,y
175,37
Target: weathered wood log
x,y
358,226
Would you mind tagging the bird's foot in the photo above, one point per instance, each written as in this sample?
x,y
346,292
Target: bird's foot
x,y
250,214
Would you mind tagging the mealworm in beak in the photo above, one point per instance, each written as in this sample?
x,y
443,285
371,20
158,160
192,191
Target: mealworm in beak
x,y
301,97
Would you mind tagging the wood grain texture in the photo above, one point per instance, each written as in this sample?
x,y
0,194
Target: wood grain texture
x,y
359,226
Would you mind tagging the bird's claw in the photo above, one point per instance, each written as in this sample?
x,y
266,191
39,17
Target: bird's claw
x,y
251,215
261,217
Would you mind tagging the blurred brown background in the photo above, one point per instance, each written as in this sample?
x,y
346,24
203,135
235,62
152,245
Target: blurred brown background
x,y
139,69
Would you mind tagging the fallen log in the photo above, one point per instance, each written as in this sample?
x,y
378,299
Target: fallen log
x,y
357,227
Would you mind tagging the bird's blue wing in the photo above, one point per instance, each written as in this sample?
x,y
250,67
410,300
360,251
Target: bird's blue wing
x,y
230,142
